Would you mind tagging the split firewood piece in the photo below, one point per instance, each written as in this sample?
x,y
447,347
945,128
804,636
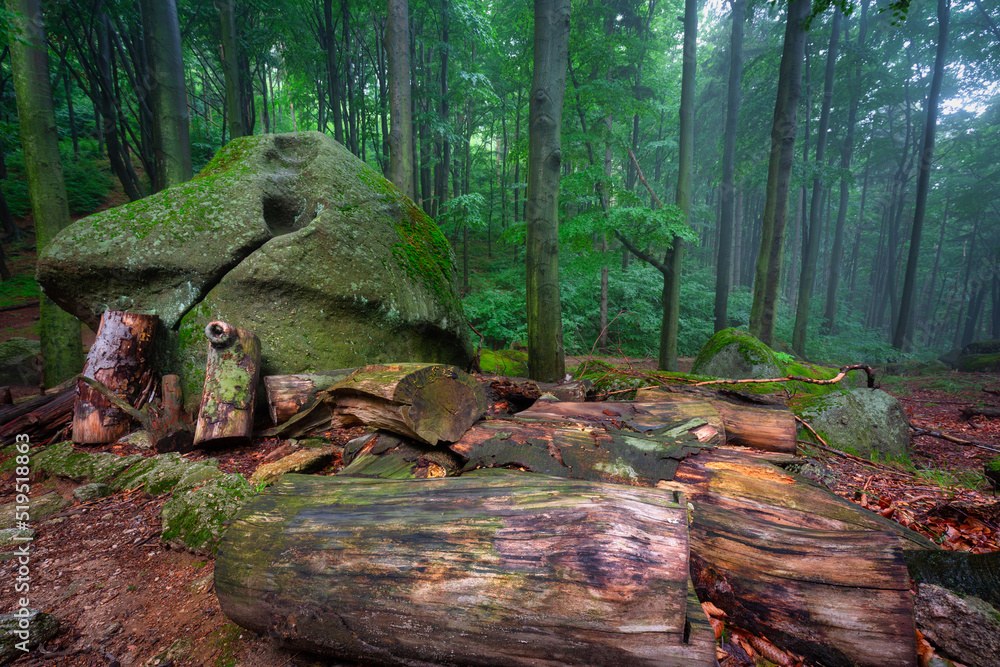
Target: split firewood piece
x,y
429,403
231,376
493,568
119,360
168,426
770,428
287,394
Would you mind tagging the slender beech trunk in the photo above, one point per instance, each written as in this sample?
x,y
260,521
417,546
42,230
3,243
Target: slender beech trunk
x,y
810,255
171,139
231,70
546,361
62,353
728,187
772,240
397,44
899,340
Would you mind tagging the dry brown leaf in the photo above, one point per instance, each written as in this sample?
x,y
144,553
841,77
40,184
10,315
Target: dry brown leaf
x,y
711,610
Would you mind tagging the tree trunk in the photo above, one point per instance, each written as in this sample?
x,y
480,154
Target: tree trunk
x,y
426,402
723,275
62,353
171,140
231,70
545,349
119,359
810,256
231,373
772,241
287,394
899,339
500,569
397,41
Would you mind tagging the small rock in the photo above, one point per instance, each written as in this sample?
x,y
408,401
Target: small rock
x,y
11,537
91,491
111,629
862,420
175,652
139,439
38,626
965,629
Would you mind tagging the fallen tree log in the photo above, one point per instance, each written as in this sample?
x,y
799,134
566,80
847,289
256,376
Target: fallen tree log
x,y
119,360
430,403
769,428
970,574
287,394
231,375
383,455
487,569
44,421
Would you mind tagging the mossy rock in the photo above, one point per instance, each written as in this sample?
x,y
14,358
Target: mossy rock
x,y
979,363
19,361
41,628
862,420
735,354
161,474
87,492
511,363
982,347
63,461
194,519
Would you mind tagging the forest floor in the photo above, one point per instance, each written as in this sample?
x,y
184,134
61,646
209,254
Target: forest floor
x,y
123,598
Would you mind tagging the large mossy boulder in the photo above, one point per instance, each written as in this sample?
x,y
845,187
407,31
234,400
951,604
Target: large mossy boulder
x,y
860,420
737,355
982,356
289,236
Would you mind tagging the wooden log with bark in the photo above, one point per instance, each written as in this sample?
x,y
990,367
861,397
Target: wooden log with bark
x,y
387,456
119,360
287,394
168,426
231,375
48,415
499,568
429,403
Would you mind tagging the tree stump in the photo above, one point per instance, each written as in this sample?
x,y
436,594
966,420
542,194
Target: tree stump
x,y
118,359
496,568
231,375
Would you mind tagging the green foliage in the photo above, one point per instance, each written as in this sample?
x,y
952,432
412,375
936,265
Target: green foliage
x,y
18,289
504,362
87,182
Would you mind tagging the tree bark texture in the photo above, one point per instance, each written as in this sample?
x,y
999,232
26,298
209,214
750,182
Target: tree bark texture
x,y
44,420
726,258
120,360
231,375
426,402
784,556
62,353
171,138
498,568
287,394
779,172
231,70
923,178
546,358
397,43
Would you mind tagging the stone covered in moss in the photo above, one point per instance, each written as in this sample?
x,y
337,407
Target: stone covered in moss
x,y
194,519
41,628
18,361
979,363
735,354
62,460
161,474
860,420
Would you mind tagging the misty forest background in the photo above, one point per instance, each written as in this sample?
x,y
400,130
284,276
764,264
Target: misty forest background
x,y
321,65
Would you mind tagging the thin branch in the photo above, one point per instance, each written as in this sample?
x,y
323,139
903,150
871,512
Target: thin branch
x,y
950,438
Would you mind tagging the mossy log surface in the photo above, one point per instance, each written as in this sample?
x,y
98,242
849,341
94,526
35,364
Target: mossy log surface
x,y
770,428
387,456
118,359
493,568
430,403
231,376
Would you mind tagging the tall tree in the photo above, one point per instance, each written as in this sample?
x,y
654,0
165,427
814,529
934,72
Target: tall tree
x,y
899,338
672,280
171,138
728,187
397,46
779,171
62,353
546,360
231,70
810,256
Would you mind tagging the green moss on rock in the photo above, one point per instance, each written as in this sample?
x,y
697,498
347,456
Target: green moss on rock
x,y
864,420
194,519
62,460
735,354
161,474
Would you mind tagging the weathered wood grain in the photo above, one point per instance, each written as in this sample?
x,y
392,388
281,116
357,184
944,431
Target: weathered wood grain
x,y
495,568
231,375
287,394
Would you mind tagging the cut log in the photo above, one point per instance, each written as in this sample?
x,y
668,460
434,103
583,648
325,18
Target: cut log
x,y
231,376
118,359
387,456
429,403
769,428
287,394
170,428
44,421
990,412
969,574
487,569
